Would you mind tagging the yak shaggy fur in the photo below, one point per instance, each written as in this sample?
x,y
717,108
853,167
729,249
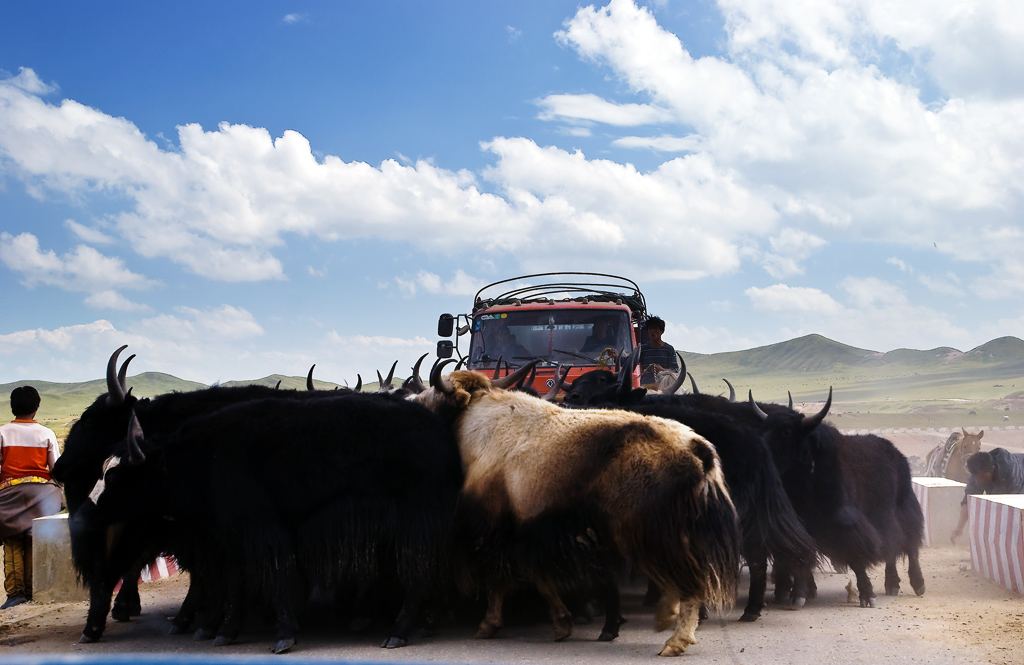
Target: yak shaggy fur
x,y
657,486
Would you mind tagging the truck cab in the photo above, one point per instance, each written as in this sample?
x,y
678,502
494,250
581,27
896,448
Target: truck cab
x,y
584,321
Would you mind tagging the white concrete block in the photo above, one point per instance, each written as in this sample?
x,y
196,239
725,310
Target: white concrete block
x,y
53,577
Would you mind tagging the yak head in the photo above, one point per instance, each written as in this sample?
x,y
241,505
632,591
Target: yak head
x,y
790,436
95,435
128,487
450,395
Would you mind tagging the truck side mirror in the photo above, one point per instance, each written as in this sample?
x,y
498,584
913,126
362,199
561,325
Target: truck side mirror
x,y
445,348
445,326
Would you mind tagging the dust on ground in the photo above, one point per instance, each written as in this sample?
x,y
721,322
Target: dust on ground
x,y
962,618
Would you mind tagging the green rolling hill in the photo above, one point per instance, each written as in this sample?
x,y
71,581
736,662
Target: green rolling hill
x,y
940,387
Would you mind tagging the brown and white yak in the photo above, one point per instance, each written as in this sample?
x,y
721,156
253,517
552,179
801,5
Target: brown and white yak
x,y
556,498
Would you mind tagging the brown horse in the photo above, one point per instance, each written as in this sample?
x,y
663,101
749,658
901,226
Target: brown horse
x,y
949,460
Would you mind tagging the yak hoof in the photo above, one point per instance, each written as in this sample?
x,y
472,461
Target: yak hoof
x,y
393,643
203,634
892,591
749,617
797,603
486,631
869,602
222,641
175,629
283,645
670,651
919,590
606,636
88,639
122,613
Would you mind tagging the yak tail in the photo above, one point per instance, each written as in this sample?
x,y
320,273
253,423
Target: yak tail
x,y
687,539
781,529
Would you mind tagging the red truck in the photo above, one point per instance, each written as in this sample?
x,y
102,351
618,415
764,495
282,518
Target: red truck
x,y
582,320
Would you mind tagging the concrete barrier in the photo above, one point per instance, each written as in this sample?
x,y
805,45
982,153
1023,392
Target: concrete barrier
x,y
940,502
997,542
53,577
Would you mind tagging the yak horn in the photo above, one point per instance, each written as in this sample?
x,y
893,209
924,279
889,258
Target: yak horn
x,y
309,379
135,456
732,391
122,374
625,375
522,380
693,384
359,384
417,382
760,413
497,368
277,386
115,391
810,422
559,382
435,377
790,399
674,388
512,378
391,375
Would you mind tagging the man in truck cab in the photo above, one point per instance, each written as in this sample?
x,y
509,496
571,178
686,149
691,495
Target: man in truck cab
x,y
602,336
499,342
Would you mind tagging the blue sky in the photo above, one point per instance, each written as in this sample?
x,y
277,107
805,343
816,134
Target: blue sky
x,y
240,189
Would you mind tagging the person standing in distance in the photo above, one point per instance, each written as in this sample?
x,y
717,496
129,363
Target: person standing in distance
x,y
658,355
28,451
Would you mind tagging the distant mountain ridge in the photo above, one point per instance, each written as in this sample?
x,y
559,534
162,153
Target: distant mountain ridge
x,y
816,353
808,354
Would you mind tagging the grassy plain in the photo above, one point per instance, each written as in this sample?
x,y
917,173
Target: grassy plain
x,y
942,387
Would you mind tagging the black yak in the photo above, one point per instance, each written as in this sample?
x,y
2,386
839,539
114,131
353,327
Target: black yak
x,y
270,498
855,496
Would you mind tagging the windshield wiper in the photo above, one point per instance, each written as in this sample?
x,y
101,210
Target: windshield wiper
x,y
573,353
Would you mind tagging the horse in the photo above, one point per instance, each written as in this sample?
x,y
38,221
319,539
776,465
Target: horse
x,y
949,459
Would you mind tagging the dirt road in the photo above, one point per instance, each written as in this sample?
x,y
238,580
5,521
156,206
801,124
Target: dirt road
x,y
962,618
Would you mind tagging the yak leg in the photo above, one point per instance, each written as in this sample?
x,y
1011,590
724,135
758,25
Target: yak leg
x,y
406,620
782,571
892,577
362,610
187,612
234,612
493,618
561,617
127,604
100,593
609,593
686,616
914,572
287,625
757,563
867,592
803,586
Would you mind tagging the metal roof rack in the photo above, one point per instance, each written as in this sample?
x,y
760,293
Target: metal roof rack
x,y
625,290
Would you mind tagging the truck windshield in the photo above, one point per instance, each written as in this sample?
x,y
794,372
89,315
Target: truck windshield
x,y
567,336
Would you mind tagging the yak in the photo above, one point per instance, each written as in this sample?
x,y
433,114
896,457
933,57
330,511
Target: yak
x,y
770,526
102,559
269,498
853,493
551,496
